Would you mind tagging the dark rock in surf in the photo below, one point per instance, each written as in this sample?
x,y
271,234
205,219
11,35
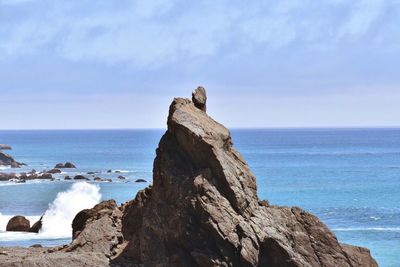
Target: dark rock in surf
x,y
18,224
59,166
80,177
69,165
45,176
54,171
35,228
140,181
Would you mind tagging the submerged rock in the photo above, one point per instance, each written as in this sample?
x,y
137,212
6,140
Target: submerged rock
x,y
140,181
18,224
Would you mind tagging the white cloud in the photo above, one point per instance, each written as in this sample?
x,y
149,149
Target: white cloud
x,y
150,34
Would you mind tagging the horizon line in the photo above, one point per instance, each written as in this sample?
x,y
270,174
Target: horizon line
x,y
230,128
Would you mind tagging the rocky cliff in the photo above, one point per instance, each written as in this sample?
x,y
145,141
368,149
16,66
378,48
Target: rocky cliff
x,y
202,210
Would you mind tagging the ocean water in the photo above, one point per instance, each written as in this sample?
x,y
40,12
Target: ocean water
x,y
349,178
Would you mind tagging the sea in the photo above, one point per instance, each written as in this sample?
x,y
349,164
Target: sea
x,y
349,178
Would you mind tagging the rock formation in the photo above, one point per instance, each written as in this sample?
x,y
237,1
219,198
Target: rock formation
x,y
35,228
7,160
5,147
202,210
19,224
67,165
25,176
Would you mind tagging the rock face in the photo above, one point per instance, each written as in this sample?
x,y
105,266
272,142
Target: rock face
x,y
203,209
199,98
35,228
97,230
18,224
7,160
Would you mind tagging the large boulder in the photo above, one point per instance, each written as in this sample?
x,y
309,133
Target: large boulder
x,y
18,224
203,209
7,160
67,165
97,229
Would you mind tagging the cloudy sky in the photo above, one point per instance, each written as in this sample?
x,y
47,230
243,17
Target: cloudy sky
x,y
118,64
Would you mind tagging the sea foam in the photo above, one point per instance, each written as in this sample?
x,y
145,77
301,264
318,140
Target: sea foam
x,y
58,218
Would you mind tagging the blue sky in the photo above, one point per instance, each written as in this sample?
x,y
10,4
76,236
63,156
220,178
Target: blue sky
x,y
118,64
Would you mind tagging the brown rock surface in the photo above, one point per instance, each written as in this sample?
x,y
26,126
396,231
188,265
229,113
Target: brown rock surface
x,y
19,224
199,98
35,228
203,209
97,229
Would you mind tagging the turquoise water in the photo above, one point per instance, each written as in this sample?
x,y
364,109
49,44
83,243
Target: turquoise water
x,y
350,178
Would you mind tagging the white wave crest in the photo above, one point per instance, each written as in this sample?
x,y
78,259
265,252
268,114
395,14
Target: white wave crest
x,y
58,218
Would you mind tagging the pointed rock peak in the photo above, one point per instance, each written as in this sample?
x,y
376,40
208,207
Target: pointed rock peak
x,y
199,98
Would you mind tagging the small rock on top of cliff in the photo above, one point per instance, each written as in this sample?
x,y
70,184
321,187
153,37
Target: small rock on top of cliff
x,y
199,98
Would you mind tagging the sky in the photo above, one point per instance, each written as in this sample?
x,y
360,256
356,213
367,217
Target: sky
x,y
118,64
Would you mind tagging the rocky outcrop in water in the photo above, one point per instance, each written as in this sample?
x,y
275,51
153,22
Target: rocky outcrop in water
x,y
67,165
35,228
7,160
19,224
202,210
25,176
